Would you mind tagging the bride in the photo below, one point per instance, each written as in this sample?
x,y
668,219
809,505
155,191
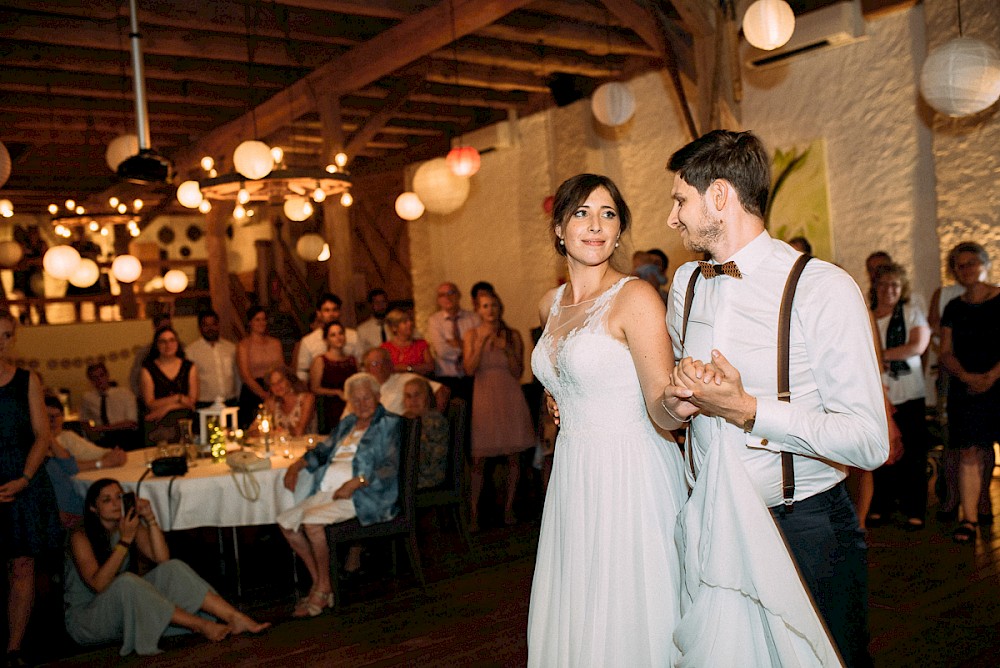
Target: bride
x,y
606,588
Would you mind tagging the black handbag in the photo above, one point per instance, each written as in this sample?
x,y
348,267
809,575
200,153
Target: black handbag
x,y
169,466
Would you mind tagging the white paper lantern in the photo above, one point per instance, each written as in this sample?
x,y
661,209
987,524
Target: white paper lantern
x,y
439,188
175,281
6,208
61,261
310,247
86,274
612,104
189,194
126,268
11,253
4,164
409,206
297,208
121,148
768,24
961,77
253,159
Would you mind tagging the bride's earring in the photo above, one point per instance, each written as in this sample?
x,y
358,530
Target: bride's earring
x,y
562,242
616,244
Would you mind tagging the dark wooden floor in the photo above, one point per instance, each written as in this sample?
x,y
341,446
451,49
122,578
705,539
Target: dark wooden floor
x,y
933,603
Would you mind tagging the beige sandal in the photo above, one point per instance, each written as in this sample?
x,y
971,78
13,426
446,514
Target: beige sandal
x,y
314,604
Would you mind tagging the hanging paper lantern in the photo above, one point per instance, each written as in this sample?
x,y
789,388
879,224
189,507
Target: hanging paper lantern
x,y
120,149
463,160
6,208
297,208
86,274
126,268
409,206
61,261
310,247
175,281
11,253
253,159
961,77
4,164
768,24
189,194
438,187
612,104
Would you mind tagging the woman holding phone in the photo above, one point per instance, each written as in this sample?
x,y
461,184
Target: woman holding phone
x,y
107,603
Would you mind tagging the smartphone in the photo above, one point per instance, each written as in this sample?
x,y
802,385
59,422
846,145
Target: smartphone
x,y
128,503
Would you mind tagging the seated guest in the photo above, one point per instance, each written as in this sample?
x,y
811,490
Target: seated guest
x,y
434,433
355,474
169,387
327,376
105,603
378,363
110,411
293,409
215,358
70,453
408,354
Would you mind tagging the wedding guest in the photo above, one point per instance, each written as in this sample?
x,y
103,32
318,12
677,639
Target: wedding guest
x,y
169,387
378,363
161,319
292,408
312,344
256,354
373,332
327,376
109,411
215,357
408,353
418,402
107,603
480,286
446,329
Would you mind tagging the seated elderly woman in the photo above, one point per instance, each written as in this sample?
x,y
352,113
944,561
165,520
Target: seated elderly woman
x,y
355,474
292,408
418,400
106,603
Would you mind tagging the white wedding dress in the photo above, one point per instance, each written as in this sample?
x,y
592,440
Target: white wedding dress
x,y
607,583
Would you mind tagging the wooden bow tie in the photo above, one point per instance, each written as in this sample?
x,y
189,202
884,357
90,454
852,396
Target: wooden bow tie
x,y
709,270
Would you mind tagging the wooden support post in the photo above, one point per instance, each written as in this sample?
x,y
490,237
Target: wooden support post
x,y
218,268
336,217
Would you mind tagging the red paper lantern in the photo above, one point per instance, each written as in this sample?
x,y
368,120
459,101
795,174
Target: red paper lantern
x,y
548,204
463,161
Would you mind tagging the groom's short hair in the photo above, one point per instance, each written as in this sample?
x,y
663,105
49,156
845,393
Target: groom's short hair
x,y
736,157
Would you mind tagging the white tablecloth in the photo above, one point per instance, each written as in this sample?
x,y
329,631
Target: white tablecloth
x,y
208,496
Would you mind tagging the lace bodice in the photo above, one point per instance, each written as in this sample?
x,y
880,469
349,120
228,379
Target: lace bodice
x,y
590,374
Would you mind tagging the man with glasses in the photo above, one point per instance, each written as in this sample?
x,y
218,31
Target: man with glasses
x,y
446,328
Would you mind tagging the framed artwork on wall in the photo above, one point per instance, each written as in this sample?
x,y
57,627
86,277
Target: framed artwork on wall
x,y
800,197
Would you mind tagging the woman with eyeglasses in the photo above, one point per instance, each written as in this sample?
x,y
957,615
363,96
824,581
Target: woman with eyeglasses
x,y
169,384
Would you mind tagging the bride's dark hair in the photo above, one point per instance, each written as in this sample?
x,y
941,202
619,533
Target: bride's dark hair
x,y
574,191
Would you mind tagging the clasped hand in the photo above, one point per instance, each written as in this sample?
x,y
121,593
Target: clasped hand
x,y
715,388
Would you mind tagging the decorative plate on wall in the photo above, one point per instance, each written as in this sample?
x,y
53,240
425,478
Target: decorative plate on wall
x,y
194,232
166,235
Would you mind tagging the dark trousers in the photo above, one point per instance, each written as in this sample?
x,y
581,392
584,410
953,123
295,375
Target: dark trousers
x,y
906,480
829,547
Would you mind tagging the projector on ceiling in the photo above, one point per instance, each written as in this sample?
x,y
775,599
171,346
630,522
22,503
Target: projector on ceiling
x,y
146,168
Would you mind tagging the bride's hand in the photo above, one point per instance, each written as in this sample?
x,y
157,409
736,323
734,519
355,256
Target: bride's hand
x,y
552,407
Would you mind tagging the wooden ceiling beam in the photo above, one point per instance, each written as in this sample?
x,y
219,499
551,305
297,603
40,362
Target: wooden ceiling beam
x,y
594,40
540,60
374,124
476,76
82,124
66,115
82,91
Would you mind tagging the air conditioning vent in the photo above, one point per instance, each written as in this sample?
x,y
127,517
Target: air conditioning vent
x,y
833,25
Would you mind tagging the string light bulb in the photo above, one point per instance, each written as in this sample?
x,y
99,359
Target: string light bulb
x,y
113,202
53,209
205,206
239,212
346,199
318,195
137,204
243,196
340,159
122,208
70,204
207,163
278,154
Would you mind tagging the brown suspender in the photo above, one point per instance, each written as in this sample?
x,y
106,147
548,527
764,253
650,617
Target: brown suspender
x,y
784,333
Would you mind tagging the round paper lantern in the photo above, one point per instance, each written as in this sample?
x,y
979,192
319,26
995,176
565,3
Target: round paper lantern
x,y
11,253
86,274
612,104
961,77
6,208
548,204
175,281
253,159
463,160
297,208
310,247
439,188
61,261
409,206
121,148
768,24
126,268
189,194
4,164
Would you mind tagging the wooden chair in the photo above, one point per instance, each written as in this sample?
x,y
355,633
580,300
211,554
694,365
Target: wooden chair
x,y
452,491
404,525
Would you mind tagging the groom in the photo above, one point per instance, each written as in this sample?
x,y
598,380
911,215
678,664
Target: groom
x,y
727,368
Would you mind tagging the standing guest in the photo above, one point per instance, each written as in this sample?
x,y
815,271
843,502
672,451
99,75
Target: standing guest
x,y
872,263
408,353
327,376
106,603
836,417
313,344
256,354
378,363
501,421
292,409
446,331
904,335
29,519
169,387
218,377
373,332
970,353
111,412
432,466
480,286
135,375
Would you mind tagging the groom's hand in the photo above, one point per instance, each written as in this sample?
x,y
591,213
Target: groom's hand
x,y
717,388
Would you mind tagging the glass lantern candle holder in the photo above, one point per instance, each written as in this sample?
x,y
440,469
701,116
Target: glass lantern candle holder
x,y
225,417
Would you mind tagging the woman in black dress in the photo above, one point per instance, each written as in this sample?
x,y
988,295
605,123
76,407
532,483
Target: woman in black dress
x,y
29,519
169,386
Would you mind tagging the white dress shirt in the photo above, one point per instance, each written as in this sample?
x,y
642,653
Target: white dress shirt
x,y
313,345
448,359
217,374
122,406
370,334
836,416
80,448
